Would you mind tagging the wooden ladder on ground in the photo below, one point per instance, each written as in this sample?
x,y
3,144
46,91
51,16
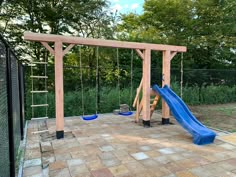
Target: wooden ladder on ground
x,y
139,104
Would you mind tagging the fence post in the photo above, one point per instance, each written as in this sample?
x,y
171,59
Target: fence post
x,y
10,114
21,97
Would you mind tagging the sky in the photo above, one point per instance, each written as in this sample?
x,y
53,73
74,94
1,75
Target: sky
x,y
126,6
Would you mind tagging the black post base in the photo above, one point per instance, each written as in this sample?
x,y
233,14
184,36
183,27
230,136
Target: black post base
x,y
60,134
165,121
146,123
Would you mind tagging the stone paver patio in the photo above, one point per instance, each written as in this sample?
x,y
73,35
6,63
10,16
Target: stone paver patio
x,y
115,146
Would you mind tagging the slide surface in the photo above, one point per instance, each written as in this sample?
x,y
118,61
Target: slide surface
x,y
201,134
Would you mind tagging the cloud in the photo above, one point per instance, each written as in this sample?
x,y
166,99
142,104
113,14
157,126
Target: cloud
x,y
114,0
134,6
126,6
116,7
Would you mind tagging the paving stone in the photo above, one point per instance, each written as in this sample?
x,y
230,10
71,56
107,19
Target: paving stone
x,y
107,155
175,157
140,156
78,169
32,146
74,162
104,172
111,162
156,136
32,171
153,153
126,159
166,151
135,167
234,171
185,174
32,154
57,165
90,158
119,153
228,146
60,173
65,156
174,167
149,163
187,163
119,170
106,148
227,165
84,175
46,146
33,162
160,171
200,171
145,148
163,159
170,175
94,165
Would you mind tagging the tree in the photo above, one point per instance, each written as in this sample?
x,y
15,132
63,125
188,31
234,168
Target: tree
x,y
206,27
80,18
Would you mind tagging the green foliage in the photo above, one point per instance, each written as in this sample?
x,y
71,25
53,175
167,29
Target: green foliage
x,y
206,27
109,99
79,18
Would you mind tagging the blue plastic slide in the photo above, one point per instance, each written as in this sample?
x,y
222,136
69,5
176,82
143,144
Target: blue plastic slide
x,y
201,134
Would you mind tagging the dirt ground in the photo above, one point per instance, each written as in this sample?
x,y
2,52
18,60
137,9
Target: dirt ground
x,y
222,116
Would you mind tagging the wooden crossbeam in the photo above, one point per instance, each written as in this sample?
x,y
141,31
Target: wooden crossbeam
x,y
100,42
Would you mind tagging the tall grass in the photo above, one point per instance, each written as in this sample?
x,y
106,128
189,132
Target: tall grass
x,y
109,99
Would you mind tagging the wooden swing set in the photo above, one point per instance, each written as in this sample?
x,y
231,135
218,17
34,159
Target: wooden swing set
x,y
143,50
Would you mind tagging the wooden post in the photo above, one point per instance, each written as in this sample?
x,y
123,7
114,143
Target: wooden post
x,y
59,91
166,81
146,87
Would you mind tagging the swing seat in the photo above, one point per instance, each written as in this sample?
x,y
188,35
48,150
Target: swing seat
x,y
90,117
125,113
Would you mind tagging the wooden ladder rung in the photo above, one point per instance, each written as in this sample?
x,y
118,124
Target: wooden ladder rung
x,y
39,105
42,63
39,77
39,118
39,91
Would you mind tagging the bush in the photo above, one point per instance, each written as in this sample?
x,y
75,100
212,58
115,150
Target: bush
x,y
109,99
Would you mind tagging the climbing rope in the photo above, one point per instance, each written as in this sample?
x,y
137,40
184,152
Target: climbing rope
x,y
131,77
118,77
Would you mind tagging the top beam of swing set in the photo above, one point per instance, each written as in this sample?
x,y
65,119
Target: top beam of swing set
x,y
100,42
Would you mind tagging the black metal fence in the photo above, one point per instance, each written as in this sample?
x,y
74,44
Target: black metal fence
x,y
11,108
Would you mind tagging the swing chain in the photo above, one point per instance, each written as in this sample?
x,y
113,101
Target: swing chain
x,y
81,80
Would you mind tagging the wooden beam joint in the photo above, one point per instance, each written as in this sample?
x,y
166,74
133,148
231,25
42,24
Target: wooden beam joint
x,y
50,49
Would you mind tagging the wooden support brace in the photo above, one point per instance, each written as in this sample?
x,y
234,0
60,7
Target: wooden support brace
x,y
172,54
138,92
68,48
45,44
140,53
